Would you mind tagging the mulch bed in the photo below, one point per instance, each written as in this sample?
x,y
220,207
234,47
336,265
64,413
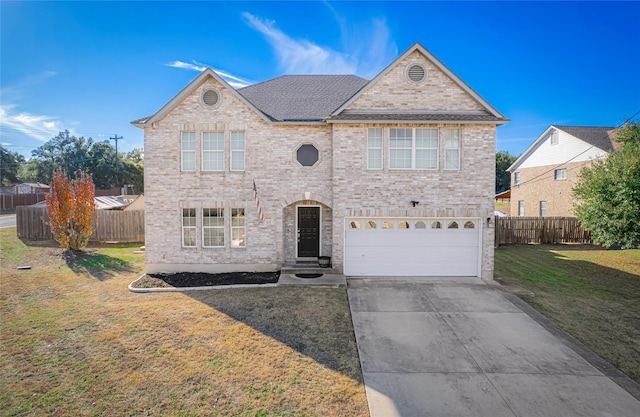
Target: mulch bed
x,y
193,279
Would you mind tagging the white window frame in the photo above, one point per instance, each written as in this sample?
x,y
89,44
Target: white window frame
x,y
206,138
218,227
521,208
238,226
236,151
435,149
192,227
185,138
543,209
516,178
562,176
451,150
375,149
553,138
404,149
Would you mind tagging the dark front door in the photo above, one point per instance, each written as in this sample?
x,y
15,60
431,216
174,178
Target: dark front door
x,y
308,232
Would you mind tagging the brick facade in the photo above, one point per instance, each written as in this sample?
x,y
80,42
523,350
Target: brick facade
x,y
539,184
339,183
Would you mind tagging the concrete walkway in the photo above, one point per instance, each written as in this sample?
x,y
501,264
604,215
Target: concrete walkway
x,y
459,347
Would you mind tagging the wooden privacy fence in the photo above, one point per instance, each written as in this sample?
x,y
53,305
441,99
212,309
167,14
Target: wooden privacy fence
x,y
540,230
11,201
112,225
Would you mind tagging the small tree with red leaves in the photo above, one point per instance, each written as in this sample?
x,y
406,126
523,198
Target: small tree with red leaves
x,y
70,207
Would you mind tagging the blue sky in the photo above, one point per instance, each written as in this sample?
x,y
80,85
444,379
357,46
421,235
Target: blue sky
x,y
92,67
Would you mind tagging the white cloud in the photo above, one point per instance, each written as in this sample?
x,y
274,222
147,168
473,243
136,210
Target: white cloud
x,y
301,56
234,81
186,65
39,127
369,48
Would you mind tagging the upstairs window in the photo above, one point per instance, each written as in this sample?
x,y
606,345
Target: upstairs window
x,y
400,148
560,174
553,138
237,151
188,147
213,151
426,149
516,178
451,139
374,148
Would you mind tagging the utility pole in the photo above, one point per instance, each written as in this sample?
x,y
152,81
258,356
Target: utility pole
x,y
116,138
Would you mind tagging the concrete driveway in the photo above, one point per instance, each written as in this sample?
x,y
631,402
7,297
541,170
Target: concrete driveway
x,y
459,347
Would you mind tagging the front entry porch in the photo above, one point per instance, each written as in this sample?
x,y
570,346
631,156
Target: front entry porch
x,y
307,235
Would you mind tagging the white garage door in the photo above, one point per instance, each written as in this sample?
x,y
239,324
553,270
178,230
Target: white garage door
x,y
412,247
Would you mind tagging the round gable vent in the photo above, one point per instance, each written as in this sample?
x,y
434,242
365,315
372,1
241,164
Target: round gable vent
x,y
210,97
416,73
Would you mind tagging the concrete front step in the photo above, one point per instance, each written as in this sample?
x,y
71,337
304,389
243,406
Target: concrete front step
x,y
306,269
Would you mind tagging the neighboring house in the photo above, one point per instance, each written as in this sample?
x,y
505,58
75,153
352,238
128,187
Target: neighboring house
x,y
543,177
389,177
136,204
102,203
32,188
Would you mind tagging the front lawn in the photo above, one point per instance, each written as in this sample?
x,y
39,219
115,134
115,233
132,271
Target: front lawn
x,y
592,293
76,342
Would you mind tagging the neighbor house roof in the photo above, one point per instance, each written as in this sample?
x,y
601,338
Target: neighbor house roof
x,y
601,137
302,97
102,203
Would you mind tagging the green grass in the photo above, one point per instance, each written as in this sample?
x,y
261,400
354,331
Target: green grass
x,y
76,342
592,293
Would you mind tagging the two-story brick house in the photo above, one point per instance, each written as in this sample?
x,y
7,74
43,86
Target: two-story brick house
x,y
392,176
543,177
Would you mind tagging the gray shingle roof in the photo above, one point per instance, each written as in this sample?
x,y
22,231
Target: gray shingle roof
x,y
302,97
426,116
600,137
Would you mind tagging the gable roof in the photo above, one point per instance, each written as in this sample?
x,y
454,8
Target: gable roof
x,y
208,72
323,98
490,114
302,97
601,137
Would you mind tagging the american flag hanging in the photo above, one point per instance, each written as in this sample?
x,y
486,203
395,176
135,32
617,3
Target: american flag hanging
x,y
255,197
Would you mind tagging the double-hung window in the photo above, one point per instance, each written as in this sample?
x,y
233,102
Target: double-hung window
x,y
400,148
374,148
413,148
451,139
213,227
188,227
237,228
426,149
521,208
213,151
560,174
188,151
237,151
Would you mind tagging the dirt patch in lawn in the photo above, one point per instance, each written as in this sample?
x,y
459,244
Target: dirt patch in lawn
x,y
190,279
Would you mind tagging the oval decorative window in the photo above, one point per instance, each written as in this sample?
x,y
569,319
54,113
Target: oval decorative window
x,y
210,98
416,73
